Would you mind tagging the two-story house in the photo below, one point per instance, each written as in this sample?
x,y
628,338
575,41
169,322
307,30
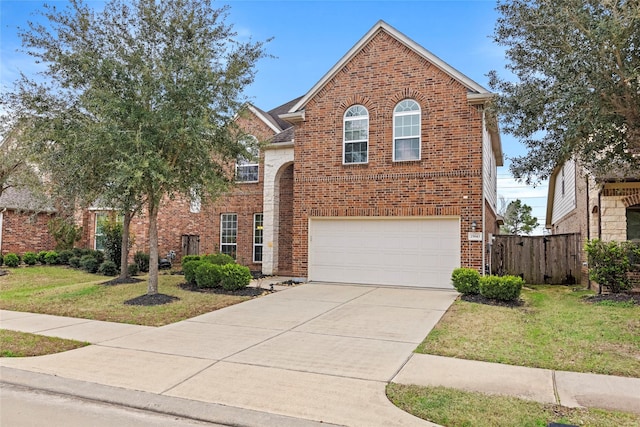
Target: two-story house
x,y
384,172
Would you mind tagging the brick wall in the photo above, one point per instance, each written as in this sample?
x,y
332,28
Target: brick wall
x,y
446,181
25,232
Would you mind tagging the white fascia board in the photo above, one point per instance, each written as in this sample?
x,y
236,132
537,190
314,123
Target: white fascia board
x,y
293,116
381,25
266,120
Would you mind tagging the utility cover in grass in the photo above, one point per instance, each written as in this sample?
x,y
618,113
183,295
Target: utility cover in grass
x,y
157,299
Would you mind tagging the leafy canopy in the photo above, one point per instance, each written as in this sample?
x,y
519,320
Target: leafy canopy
x,y
518,219
137,102
577,84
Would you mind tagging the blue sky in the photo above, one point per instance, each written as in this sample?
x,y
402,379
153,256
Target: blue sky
x,y
309,37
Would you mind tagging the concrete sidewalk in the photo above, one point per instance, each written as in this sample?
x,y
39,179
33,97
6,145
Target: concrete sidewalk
x,y
311,353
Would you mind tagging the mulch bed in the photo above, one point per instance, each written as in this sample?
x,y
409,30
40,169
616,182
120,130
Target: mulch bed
x,y
479,299
620,297
149,300
245,292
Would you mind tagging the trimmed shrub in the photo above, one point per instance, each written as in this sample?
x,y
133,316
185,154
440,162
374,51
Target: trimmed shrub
x,y
89,264
133,269
51,258
235,276
64,256
98,255
219,259
41,256
74,262
208,275
142,260
466,280
609,263
503,288
189,269
188,258
11,260
108,268
30,258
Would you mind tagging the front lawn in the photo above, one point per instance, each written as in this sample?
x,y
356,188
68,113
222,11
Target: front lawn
x,y
456,408
64,291
555,328
22,344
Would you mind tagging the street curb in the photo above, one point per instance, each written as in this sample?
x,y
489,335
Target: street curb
x,y
189,409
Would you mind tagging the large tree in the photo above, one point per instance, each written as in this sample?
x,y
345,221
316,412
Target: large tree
x,y
518,219
576,91
144,92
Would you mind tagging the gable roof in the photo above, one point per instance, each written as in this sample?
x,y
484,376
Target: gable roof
x,y
471,85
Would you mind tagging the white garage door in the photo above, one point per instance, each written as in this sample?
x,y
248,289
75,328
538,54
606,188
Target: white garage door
x,y
404,252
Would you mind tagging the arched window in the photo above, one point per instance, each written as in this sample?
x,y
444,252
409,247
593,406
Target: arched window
x,y
247,167
356,135
406,131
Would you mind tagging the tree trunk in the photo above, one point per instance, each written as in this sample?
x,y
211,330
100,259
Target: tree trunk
x,y
124,256
152,288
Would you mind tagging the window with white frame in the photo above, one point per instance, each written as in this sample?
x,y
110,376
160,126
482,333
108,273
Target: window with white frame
x,y
257,237
406,131
356,135
228,234
102,222
247,168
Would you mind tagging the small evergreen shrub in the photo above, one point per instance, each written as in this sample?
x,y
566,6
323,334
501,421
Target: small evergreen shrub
x,y
142,260
188,258
235,276
609,263
189,269
41,256
30,258
219,259
208,275
51,258
466,280
98,255
89,264
133,269
108,268
79,252
64,256
74,262
11,260
503,288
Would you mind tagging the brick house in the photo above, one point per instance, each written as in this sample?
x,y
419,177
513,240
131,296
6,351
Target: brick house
x,y
384,172
597,207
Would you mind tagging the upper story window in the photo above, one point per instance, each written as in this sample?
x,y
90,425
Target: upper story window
x,y
247,167
406,131
356,135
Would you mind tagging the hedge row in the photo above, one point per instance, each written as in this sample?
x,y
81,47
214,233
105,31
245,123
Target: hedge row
x,y
215,271
468,281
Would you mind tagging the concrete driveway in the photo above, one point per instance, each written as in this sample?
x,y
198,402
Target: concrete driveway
x,y
321,352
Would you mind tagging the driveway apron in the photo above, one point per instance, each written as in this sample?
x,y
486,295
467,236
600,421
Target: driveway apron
x,y
318,351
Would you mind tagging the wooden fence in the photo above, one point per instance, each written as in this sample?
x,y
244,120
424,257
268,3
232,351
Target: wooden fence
x,y
553,259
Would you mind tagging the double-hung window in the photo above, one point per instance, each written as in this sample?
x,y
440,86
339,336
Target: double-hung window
x,y
356,135
406,131
257,237
229,234
247,168
103,221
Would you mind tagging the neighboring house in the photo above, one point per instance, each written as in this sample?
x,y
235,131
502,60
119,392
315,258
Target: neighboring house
x,y
602,207
383,173
23,222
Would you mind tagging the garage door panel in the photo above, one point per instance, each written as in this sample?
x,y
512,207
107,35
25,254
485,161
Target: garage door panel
x,y
412,252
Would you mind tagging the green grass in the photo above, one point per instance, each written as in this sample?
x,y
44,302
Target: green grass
x,y
22,344
554,329
67,292
455,408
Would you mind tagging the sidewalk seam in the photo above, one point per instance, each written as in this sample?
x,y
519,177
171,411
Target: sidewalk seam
x,y
556,394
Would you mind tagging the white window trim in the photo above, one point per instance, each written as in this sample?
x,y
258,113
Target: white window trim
x,y
345,119
407,113
235,244
243,163
255,245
